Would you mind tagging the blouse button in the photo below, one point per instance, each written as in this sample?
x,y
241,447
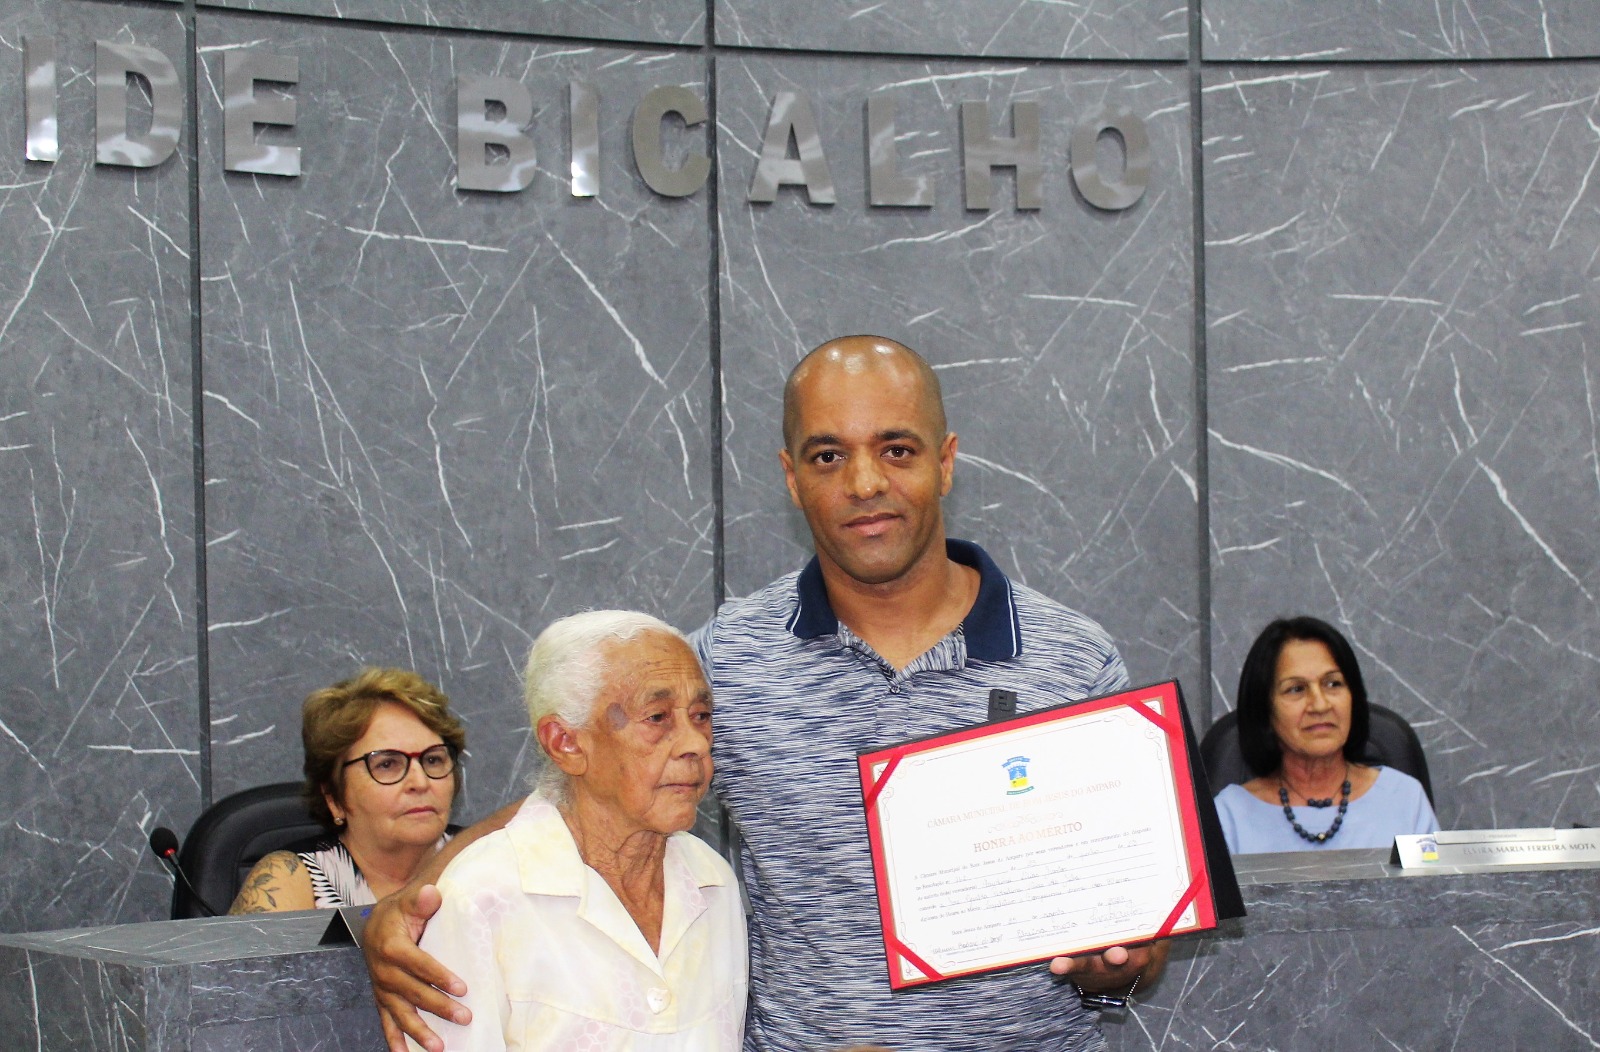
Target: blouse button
x,y
658,998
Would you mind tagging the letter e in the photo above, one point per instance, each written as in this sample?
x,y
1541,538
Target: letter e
x,y
242,111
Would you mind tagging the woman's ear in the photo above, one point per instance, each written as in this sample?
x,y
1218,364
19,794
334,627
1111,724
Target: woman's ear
x,y
562,745
334,808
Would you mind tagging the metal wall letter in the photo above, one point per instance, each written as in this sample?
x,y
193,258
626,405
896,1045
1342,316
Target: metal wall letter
x,y
647,157
39,98
242,110
583,111
1111,194
885,184
981,152
113,63
476,132
791,115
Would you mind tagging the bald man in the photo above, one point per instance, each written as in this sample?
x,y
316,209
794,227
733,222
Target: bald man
x,y
891,632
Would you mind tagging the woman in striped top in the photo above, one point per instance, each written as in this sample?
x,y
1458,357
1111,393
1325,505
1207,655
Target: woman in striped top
x,y
382,770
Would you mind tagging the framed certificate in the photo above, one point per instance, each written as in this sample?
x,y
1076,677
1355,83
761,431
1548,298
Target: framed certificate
x,y
1062,831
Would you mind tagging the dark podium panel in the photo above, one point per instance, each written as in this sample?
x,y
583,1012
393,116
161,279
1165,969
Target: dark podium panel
x,y
258,983
1340,950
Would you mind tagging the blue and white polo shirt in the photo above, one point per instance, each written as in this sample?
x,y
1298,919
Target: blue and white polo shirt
x,y
798,696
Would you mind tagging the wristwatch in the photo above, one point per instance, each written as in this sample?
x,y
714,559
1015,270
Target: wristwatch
x,y
1101,1002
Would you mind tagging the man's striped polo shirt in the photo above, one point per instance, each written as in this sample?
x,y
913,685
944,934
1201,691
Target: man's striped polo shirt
x,y
798,696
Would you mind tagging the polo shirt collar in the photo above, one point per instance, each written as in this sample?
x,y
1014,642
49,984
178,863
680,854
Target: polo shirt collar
x,y
992,628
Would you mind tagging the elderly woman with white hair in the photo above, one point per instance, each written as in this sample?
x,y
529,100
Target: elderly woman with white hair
x,y
593,920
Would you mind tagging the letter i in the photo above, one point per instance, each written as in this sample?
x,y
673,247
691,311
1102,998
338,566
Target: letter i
x,y
39,98
583,140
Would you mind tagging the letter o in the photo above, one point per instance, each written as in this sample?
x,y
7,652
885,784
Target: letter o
x,y
1112,195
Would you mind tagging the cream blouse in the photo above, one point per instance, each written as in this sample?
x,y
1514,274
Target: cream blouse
x,y
552,959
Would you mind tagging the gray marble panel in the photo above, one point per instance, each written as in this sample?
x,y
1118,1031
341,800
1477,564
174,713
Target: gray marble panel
x,y
204,940
356,1030
1062,336
1400,299
18,1014
659,21
98,729
1291,893
288,985
1151,29
259,982
1485,960
1380,29
60,1002
436,420
1443,987
1384,961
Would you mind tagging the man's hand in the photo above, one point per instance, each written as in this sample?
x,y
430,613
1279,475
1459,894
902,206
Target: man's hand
x,y
1113,971
403,977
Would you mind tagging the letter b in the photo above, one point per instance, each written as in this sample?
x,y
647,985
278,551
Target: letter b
x,y
477,132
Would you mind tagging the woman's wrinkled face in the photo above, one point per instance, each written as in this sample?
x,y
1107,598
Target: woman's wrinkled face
x,y
1310,701
411,812
648,744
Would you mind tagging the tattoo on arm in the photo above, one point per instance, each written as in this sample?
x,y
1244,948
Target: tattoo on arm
x,y
265,883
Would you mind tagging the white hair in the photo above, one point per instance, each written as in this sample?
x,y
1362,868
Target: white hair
x,y
566,672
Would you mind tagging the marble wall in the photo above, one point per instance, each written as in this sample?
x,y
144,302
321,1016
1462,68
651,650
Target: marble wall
x,y
1400,308
257,430
100,731
437,419
1076,465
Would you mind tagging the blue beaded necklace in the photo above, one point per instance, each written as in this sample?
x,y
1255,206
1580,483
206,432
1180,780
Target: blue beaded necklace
x,y
1338,820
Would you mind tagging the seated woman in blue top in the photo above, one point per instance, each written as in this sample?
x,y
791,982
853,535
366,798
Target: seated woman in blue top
x,y
1302,712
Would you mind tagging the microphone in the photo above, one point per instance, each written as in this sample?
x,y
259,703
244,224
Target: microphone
x,y
164,842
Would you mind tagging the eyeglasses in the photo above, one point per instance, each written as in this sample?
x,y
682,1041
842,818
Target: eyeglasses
x,y
390,766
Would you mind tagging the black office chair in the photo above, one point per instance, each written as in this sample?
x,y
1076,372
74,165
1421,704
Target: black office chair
x,y
1390,742
231,836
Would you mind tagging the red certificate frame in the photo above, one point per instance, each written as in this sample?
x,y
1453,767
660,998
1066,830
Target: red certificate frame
x,y
1086,836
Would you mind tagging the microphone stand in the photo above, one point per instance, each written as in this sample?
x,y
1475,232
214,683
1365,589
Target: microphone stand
x,y
164,845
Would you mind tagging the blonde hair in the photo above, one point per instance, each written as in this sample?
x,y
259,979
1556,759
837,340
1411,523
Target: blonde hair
x,y
334,718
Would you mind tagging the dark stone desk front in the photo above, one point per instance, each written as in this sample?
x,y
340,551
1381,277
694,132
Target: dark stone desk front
x,y
225,984
1344,952
1340,952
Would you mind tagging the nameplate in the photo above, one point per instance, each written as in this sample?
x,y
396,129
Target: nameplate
x,y
1486,849
346,926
